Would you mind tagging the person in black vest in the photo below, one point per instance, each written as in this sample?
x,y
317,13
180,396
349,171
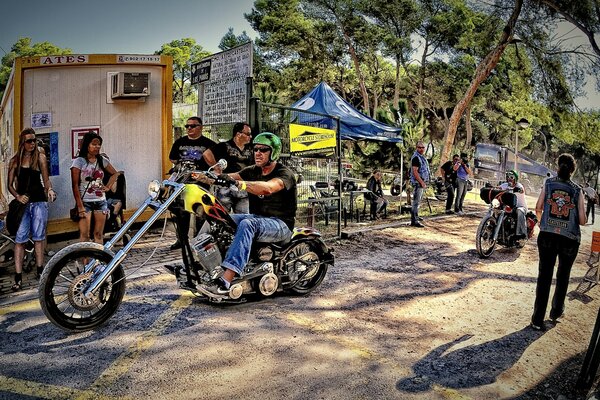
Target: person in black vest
x,y
238,153
449,175
190,147
419,176
560,212
29,183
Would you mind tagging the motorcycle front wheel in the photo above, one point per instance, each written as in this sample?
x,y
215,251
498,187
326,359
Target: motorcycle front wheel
x,y
484,239
62,286
307,260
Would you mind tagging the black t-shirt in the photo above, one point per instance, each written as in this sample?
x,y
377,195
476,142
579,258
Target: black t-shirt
x,y
29,182
185,148
236,159
282,204
415,162
449,172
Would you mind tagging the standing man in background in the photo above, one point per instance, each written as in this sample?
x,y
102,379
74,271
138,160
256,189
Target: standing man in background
x,y
419,176
463,171
238,153
190,147
449,174
592,198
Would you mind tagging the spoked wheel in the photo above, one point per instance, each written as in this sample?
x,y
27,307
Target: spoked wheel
x,y
306,266
64,281
484,240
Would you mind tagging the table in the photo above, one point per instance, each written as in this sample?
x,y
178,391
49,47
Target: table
x,y
354,194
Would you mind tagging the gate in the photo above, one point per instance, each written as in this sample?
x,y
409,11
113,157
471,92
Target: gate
x,y
318,171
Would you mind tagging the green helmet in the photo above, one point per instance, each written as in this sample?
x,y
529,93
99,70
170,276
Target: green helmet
x,y
512,174
271,140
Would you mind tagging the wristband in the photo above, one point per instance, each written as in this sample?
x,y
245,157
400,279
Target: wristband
x,y
242,185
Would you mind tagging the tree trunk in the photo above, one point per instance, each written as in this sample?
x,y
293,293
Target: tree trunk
x,y
469,128
482,71
359,74
397,84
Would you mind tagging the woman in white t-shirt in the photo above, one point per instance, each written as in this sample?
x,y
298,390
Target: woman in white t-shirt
x,y
87,172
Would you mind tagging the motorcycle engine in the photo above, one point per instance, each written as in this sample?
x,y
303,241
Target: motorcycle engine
x,y
206,251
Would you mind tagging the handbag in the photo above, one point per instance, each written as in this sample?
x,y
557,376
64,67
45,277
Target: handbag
x,y
469,185
16,209
74,214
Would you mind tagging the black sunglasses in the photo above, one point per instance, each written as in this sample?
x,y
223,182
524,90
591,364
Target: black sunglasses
x,y
262,149
192,126
29,141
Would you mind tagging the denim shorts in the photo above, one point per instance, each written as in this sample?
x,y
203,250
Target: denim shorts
x,y
35,220
101,205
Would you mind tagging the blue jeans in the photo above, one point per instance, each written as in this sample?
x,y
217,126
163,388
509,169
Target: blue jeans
x,y
461,192
35,219
417,196
252,228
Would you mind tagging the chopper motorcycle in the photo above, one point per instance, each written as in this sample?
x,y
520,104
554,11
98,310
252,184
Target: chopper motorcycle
x,y
499,225
83,284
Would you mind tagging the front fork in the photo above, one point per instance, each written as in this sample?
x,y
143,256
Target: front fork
x,y
499,221
101,274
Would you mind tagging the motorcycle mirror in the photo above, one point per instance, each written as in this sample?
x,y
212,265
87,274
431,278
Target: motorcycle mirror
x,y
222,163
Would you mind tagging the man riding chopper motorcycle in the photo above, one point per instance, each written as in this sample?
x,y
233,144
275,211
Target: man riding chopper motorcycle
x,y
273,202
512,183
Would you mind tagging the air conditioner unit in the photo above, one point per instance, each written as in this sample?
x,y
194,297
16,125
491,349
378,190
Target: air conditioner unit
x,y
130,85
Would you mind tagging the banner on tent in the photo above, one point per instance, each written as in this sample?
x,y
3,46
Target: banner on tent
x,y
309,138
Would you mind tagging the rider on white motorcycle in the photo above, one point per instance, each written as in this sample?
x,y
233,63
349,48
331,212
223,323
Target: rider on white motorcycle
x,y
512,183
273,202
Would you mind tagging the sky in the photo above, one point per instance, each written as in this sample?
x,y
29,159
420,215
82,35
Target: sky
x,y
121,26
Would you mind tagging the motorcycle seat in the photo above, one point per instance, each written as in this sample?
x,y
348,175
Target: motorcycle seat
x,y
279,244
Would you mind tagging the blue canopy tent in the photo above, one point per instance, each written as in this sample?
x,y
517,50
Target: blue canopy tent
x,y
353,125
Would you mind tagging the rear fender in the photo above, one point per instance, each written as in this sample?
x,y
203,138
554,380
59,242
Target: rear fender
x,y
325,250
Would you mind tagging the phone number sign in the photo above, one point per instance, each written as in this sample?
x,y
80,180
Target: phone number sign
x,y
223,92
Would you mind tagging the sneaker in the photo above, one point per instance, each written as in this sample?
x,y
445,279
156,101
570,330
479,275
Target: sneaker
x,y
216,287
449,212
417,225
555,319
176,245
420,218
539,328
460,213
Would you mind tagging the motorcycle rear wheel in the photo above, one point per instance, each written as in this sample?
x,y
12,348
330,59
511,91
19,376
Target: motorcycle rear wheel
x,y
484,240
62,284
308,256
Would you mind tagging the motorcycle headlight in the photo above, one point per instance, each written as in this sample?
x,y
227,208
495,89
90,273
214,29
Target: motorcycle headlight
x,y
154,189
496,203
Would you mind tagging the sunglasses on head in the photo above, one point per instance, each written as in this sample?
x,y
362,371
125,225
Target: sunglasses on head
x,y
29,141
188,126
262,149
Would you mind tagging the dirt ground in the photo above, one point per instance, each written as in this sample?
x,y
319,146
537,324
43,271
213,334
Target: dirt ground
x,y
466,318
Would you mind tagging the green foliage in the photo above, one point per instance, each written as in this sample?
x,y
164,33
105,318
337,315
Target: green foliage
x,y
24,48
185,52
